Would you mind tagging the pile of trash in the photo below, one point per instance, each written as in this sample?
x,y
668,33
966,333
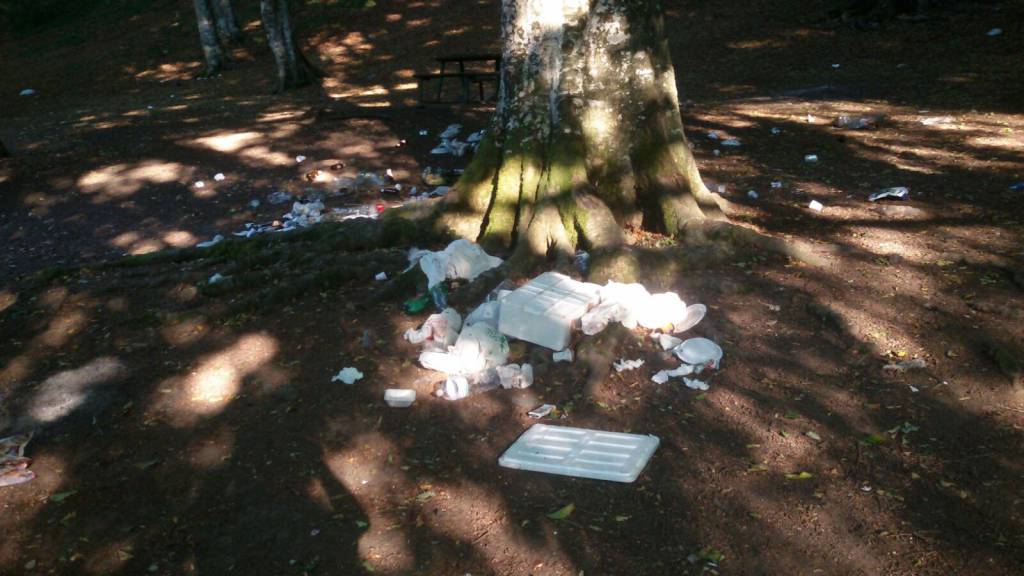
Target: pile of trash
x,y
13,463
451,145
473,352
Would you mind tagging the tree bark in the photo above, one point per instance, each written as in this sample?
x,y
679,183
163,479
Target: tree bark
x,y
586,137
227,24
293,70
212,52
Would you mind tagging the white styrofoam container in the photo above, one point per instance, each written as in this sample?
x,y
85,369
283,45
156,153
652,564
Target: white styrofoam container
x,y
399,397
580,452
544,310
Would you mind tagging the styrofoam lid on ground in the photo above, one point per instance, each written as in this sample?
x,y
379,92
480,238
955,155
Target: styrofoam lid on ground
x,y
699,351
399,397
580,452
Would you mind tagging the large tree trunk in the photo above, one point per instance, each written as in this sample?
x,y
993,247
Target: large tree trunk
x,y
227,24
587,135
208,37
293,70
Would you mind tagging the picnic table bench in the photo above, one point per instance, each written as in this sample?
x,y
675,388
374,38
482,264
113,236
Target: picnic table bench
x,y
487,75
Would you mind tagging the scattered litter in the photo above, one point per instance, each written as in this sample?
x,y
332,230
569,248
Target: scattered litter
x,y
811,158
487,312
476,136
914,389
776,184
580,452
27,92
776,131
217,277
279,197
916,363
713,135
477,348
994,32
855,122
897,192
451,131
424,132
514,376
936,120
381,276
219,177
455,388
813,435
694,314
348,375
461,259
200,184
1018,186
442,328
666,341
624,364
721,188
544,310
716,152
13,463
563,355
254,203
541,411
663,376
699,351
399,397
304,214
212,242
732,142
835,66
300,159
816,206
694,384
752,194
440,191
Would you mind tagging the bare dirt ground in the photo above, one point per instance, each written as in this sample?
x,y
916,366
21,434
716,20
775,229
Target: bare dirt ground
x,y
183,428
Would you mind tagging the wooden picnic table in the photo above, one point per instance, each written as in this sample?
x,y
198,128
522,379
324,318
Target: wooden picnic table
x,y
478,77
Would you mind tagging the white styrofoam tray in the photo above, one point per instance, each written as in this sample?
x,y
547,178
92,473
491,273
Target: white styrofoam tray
x,y
544,310
580,452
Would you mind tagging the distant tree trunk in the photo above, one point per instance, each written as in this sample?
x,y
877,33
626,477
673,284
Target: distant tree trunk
x,y
293,70
212,51
3,150
227,25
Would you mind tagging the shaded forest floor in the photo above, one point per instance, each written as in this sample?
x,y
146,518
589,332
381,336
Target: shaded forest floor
x,y
184,428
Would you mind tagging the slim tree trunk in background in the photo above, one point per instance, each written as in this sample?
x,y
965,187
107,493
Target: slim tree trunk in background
x,y
587,136
212,51
292,68
227,24
4,153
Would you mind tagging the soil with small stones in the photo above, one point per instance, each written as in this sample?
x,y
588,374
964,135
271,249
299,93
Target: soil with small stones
x,y
185,427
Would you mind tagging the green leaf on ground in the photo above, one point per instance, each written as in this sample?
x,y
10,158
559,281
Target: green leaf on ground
x,y
801,476
563,512
62,496
874,440
368,567
791,415
147,464
425,496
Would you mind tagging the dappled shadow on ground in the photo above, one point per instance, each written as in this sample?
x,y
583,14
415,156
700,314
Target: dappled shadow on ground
x,y
185,428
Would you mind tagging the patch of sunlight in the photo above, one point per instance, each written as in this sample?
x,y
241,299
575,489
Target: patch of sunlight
x,y
7,299
278,116
166,72
125,239
756,44
110,557
213,451
62,328
405,86
121,180
473,515
61,394
1008,142
597,120
376,90
228,142
185,332
179,238
215,382
417,23
146,246
380,488
394,17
